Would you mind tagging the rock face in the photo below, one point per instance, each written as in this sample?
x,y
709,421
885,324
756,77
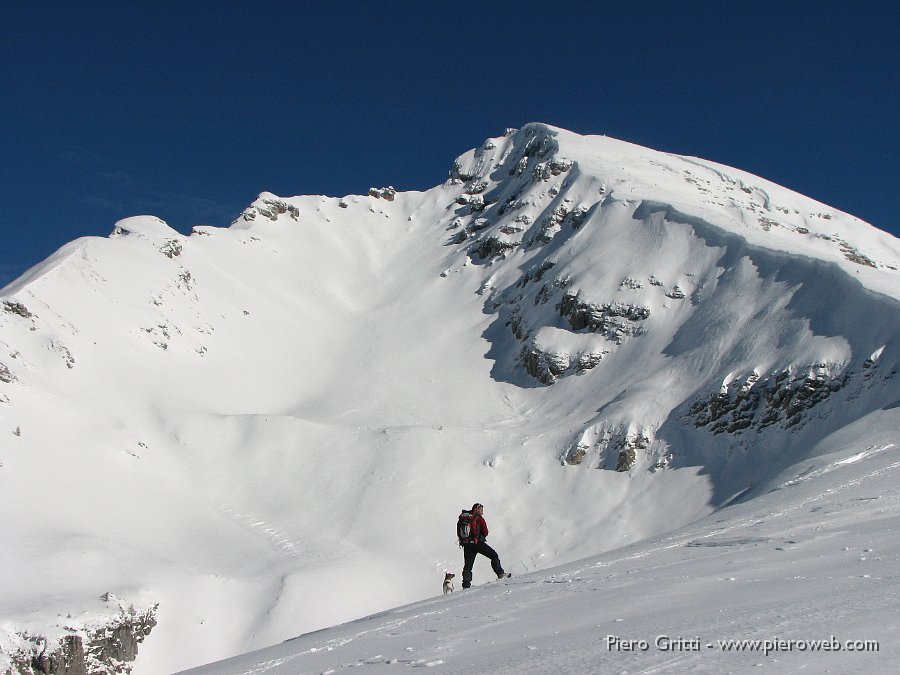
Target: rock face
x,y
615,320
784,399
269,207
109,648
526,206
67,658
585,262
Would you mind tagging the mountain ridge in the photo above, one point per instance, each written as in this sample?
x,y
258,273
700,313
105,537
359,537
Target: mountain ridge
x,y
215,397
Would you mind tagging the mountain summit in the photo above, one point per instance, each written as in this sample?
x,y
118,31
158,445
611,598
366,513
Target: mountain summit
x,y
251,432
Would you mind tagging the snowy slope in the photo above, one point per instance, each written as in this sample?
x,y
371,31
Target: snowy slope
x,y
269,429
801,579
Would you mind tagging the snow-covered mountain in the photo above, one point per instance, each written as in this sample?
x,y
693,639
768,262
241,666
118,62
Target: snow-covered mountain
x,y
254,432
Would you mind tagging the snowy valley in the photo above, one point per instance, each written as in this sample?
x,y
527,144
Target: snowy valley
x,y
213,443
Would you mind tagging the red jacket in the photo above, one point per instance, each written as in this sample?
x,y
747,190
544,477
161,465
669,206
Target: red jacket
x,y
480,529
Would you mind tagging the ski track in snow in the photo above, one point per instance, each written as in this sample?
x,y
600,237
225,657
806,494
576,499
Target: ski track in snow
x,y
813,473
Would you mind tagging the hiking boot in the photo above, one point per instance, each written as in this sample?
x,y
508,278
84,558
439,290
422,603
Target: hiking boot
x,y
504,575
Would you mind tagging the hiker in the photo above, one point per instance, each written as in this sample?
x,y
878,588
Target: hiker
x,y
472,542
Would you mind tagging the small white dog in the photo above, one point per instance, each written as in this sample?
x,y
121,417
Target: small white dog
x,y
448,582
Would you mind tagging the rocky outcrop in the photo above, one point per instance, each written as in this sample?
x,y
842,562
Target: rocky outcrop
x,y
613,447
614,320
14,307
475,202
67,657
172,248
556,221
109,648
271,209
492,247
539,144
387,193
6,375
544,171
458,175
544,366
758,402
626,460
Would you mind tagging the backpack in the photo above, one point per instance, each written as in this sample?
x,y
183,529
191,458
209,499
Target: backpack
x,y
465,528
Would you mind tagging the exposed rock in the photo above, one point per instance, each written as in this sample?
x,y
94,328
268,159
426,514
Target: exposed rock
x,y
66,658
550,226
66,354
544,366
616,320
676,293
517,325
476,225
605,441
577,454
759,402
387,193
171,248
111,648
853,255
513,203
546,170
540,145
586,362
6,375
18,308
459,237
271,209
458,175
536,273
520,168
627,458
476,187
491,247
554,223
548,289
475,203
117,643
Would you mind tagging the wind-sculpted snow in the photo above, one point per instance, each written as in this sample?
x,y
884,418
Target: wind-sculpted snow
x,y
270,428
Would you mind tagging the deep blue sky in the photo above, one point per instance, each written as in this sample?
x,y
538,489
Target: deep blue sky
x,y
187,110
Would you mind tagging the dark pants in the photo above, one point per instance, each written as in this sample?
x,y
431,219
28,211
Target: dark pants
x,y
469,553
